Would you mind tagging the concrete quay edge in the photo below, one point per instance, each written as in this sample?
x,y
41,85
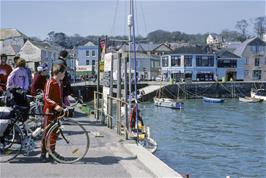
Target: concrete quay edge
x,y
154,164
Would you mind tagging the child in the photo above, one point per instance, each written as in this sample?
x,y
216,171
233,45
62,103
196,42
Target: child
x,y
52,102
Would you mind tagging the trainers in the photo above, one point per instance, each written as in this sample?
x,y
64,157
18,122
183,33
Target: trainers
x,y
43,158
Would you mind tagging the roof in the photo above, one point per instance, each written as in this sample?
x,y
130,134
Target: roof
x,y
89,44
10,50
42,45
226,54
192,50
6,33
249,42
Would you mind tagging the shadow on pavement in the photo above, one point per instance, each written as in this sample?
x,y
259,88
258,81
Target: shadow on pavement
x,y
105,160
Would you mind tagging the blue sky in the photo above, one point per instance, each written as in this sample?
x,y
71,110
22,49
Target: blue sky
x,y
109,17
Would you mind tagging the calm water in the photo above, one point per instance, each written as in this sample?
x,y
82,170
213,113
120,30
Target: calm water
x,y
211,140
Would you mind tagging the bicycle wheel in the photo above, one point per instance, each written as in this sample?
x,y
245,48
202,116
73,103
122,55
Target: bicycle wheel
x,y
11,143
72,141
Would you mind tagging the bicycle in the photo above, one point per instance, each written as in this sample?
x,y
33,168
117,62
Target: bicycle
x,y
72,141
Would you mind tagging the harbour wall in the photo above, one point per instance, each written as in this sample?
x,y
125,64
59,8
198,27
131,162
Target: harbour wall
x,y
196,90
192,90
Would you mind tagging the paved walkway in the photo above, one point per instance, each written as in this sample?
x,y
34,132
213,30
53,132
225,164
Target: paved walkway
x,y
106,158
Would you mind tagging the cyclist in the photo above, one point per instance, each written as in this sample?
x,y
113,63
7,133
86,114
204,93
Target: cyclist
x,y
52,102
39,79
18,78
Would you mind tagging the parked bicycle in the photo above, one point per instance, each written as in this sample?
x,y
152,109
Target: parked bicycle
x,y
72,142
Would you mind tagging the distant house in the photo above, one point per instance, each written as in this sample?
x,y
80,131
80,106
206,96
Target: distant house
x,y
254,53
87,55
229,66
11,41
36,52
213,38
147,65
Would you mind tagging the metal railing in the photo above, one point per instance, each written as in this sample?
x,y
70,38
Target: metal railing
x,y
104,108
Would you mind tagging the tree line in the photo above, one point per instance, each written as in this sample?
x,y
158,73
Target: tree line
x,y
160,36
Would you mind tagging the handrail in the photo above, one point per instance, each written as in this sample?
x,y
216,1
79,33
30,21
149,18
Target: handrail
x,y
108,113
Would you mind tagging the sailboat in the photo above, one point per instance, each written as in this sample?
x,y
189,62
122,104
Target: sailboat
x,y
142,136
167,102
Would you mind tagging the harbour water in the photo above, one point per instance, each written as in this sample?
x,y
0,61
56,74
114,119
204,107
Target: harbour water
x,y
211,140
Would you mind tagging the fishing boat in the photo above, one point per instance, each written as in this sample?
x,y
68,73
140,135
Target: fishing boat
x,y
168,103
258,93
247,99
212,100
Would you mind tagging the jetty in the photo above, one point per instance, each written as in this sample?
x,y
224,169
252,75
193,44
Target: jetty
x,y
109,155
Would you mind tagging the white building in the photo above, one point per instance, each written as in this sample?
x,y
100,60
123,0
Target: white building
x,y
38,52
11,41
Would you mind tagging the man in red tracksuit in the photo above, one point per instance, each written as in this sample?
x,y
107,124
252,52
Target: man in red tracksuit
x,y
52,103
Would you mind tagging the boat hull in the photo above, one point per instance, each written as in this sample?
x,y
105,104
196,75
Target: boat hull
x,y
212,100
168,103
250,100
255,94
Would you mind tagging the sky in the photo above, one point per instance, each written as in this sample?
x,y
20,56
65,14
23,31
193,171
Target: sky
x,y
109,17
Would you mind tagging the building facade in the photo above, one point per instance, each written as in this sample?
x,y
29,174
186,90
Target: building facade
x,y
201,64
11,41
38,52
253,51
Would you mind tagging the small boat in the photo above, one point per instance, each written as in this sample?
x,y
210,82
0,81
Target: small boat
x,y
247,99
168,103
144,139
212,100
258,93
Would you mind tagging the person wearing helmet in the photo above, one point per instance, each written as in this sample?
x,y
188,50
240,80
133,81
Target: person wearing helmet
x,y
39,80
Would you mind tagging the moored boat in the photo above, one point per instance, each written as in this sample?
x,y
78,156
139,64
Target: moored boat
x,y
258,93
212,100
168,103
247,99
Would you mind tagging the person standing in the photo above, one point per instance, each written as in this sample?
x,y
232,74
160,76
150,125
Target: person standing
x,y
66,83
52,103
39,79
18,78
5,70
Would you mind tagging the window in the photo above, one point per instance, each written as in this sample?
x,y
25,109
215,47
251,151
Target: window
x,y
257,61
175,61
188,61
93,62
205,61
87,53
165,61
246,73
226,63
93,53
87,62
256,74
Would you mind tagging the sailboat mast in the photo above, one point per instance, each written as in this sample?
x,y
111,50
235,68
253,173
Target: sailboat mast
x,y
129,22
135,63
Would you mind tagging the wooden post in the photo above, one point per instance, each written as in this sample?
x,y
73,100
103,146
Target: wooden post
x,y
126,98
98,77
95,105
118,105
111,92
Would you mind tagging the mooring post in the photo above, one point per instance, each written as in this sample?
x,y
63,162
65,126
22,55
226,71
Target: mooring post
x,y
126,98
118,104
